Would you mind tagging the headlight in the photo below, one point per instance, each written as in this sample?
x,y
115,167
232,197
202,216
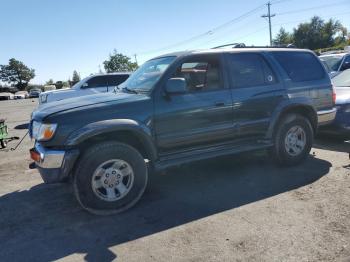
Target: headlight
x,y
43,98
43,132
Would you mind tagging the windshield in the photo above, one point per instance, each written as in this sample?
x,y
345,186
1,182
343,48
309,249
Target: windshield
x,y
332,62
144,78
343,79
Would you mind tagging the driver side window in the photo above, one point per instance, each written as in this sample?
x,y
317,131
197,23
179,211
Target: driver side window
x,y
201,74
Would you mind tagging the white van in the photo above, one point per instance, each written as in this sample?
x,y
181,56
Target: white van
x,y
88,86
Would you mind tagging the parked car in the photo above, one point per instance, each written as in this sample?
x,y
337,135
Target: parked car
x,y
34,93
89,85
49,87
21,95
340,127
180,108
336,63
6,96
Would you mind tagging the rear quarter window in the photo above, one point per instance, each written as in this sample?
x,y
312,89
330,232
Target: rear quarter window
x,y
300,66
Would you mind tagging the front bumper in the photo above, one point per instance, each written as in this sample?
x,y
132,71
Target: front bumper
x,y
54,165
326,117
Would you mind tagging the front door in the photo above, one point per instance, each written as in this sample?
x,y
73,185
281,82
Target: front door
x,y
203,114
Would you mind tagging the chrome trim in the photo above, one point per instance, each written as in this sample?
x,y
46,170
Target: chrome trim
x,y
49,158
326,116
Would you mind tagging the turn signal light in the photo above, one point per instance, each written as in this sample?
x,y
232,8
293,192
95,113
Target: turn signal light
x,y
34,155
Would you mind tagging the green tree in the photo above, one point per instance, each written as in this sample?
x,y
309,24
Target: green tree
x,y
17,73
75,78
317,33
283,37
50,82
118,62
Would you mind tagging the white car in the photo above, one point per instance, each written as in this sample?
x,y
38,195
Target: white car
x,y
21,95
336,62
6,96
88,86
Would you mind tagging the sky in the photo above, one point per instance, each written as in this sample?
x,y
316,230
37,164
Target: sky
x,y
57,37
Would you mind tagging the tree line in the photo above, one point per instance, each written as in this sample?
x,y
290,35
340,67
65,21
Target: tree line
x,y
315,35
17,74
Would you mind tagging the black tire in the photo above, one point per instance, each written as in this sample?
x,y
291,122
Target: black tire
x,y
91,160
279,151
3,144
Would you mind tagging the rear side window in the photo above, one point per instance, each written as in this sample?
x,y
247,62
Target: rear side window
x,y
248,70
115,80
97,81
300,66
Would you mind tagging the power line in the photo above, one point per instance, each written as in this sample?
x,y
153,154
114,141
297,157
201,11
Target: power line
x,y
314,7
238,19
210,32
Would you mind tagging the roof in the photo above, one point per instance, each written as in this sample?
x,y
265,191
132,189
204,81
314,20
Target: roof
x,y
232,50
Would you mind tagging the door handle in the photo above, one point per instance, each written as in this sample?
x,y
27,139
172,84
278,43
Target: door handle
x,y
219,103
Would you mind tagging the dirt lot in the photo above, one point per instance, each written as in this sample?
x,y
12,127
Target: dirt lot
x,y
237,208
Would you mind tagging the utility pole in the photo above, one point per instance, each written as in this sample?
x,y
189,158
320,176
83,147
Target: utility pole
x,y
269,15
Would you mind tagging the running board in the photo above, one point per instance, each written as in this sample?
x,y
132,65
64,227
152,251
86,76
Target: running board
x,y
182,157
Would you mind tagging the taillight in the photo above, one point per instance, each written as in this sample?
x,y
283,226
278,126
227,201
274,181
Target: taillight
x,y
334,95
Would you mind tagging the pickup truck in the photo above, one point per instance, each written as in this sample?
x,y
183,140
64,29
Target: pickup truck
x,y
178,108
93,84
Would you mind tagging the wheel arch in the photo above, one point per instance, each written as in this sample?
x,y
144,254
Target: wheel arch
x,y
305,110
121,130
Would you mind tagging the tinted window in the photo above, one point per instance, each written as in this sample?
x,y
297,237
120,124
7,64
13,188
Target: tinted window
x,y
115,80
201,74
346,60
97,81
249,70
300,66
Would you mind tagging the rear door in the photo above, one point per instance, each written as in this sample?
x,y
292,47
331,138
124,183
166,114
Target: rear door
x,y
256,91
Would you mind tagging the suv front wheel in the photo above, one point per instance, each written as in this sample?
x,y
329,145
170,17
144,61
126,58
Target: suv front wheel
x,y
110,178
292,140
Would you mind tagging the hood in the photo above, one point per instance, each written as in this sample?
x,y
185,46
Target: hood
x,y
44,110
59,91
343,94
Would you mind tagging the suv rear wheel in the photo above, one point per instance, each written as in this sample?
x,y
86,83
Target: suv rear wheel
x,y
293,140
110,178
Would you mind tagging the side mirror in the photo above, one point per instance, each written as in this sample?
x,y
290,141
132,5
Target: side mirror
x,y
346,65
176,86
85,85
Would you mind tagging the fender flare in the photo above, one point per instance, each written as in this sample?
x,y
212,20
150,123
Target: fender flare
x,y
297,104
106,126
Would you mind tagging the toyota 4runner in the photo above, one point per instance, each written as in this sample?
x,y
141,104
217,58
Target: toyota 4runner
x,y
180,108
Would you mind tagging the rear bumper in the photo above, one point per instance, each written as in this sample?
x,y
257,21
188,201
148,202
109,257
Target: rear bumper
x,y
54,166
326,117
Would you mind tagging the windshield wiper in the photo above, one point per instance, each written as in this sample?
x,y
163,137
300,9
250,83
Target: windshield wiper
x,y
129,90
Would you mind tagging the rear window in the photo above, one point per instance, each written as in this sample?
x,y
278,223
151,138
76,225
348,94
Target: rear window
x,y
300,66
115,80
97,81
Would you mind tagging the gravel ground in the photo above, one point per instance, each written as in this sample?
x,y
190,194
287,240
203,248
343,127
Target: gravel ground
x,y
237,208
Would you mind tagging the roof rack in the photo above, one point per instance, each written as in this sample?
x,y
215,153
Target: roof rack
x,y
242,45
